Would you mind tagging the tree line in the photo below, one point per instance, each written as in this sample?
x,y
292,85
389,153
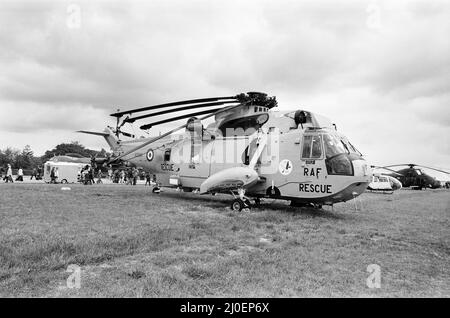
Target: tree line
x,y
26,159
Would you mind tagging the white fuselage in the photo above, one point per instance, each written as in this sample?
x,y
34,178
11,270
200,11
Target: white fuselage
x,y
292,162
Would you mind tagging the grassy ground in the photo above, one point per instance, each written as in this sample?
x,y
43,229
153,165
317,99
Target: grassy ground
x,y
129,242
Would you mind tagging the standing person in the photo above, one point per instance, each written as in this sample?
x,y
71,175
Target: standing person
x,y
147,179
90,175
39,173
52,175
9,174
34,174
135,173
56,174
129,177
99,176
116,176
19,175
122,176
110,173
87,176
84,175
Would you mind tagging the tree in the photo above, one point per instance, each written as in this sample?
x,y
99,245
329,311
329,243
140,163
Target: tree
x,y
72,148
66,148
25,159
8,156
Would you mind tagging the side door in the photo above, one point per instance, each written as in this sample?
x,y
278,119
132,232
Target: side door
x,y
313,173
195,165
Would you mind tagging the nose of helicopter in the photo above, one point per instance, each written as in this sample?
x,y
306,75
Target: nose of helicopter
x,y
363,176
361,169
363,173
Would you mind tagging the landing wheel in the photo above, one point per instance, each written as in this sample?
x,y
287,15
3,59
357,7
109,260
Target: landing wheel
x,y
238,204
257,201
156,190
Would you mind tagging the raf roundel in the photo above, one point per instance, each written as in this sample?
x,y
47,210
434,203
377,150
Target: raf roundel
x,y
150,155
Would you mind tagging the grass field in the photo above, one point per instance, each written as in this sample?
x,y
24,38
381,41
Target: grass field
x,y
131,243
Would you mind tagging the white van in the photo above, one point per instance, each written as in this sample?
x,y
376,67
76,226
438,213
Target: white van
x,y
68,172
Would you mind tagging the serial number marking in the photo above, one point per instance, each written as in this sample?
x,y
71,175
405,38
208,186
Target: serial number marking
x,y
167,166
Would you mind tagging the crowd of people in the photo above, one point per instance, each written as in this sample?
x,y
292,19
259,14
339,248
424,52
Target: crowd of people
x,y
127,176
87,175
6,174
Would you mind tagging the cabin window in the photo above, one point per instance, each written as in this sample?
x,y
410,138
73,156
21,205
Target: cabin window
x,y
167,155
312,147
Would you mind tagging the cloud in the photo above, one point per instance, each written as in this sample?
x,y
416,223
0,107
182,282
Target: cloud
x,y
379,69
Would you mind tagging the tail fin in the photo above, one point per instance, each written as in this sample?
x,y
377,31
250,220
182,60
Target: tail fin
x,y
110,138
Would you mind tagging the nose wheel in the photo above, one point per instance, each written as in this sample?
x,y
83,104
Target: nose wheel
x,y
239,204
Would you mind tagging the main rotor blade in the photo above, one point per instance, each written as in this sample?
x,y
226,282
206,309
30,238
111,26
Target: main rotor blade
x,y
192,101
434,169
393,171
93,133
402,165
170,132
131,120
148,126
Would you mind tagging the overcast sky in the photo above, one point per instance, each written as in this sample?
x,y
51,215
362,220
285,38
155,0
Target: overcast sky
x,y
379,69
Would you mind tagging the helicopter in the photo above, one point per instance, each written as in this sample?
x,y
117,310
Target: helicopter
x,y
382,182
415,177
249,151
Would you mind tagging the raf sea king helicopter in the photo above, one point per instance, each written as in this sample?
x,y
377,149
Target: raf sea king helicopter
x,y
249,151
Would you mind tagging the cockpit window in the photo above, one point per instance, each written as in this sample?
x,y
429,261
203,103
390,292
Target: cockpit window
x,y
312,147
333,145
350,147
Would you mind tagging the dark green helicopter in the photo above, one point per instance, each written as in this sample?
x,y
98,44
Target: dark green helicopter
x,y
415,177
